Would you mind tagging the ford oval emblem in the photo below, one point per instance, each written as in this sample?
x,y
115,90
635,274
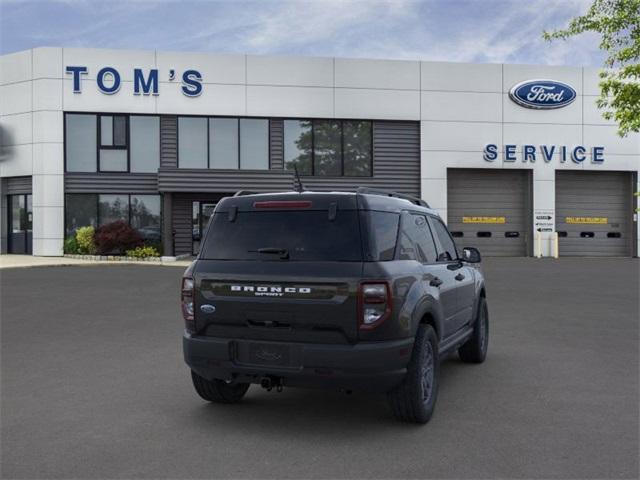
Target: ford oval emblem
x,y
542,94
206,308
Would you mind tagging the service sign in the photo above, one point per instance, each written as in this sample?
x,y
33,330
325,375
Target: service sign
x,y
485,220
587,220
542,94
544,220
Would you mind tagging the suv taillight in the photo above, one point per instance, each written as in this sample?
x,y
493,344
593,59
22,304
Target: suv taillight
x,y
374,304
186,301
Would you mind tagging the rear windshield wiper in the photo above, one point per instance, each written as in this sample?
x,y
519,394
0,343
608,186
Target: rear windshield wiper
x,y
283,252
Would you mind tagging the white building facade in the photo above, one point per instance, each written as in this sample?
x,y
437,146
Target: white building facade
x,y
156,138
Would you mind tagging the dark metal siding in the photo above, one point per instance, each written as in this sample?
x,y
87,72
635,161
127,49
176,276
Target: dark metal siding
x,y
110,183
168,141
595,194
490,193
18,185
396,166
276,144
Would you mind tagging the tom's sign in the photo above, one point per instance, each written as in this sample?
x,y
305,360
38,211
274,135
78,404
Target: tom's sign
x,y
542,94
108,80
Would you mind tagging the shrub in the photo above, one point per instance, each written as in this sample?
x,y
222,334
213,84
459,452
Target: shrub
x,y
84,238
143,252
116,237
70,245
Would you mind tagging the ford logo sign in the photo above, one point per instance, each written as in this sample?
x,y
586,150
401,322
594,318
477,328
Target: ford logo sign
x,y
542,94
206,308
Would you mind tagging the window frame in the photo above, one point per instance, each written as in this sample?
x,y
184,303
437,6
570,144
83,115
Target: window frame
x,y
341,121
101,147
98,116
440,249
239,143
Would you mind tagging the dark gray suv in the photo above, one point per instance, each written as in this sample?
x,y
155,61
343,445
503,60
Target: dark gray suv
x,y
353,291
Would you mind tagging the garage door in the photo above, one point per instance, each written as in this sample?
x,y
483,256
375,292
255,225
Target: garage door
x,y
594,213
489,210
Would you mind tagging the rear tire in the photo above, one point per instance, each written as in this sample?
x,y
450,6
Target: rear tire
x,y
474,350
415,398
218,391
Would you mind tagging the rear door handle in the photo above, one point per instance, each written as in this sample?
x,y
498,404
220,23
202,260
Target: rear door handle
x,y
435,282
459,277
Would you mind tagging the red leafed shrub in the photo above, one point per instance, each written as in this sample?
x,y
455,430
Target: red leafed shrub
x,y
116,238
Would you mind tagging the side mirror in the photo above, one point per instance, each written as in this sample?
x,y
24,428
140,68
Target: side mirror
x,y
471,255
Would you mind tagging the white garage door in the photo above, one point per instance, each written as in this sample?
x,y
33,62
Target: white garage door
x,y
490,210
594,214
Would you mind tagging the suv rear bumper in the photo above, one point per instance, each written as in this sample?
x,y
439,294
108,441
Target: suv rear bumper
x,y
367,366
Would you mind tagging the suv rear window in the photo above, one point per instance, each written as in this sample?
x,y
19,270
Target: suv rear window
x,y
305,235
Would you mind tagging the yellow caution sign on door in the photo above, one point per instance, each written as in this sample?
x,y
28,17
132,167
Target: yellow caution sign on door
x,y
587,220
494,220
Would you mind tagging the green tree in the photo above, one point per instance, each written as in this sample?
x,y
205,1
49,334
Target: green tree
x,y
618,23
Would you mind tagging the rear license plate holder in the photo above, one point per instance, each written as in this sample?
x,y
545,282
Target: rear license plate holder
x,y
263,353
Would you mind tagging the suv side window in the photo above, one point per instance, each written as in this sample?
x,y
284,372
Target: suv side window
x,y
416,242
447,249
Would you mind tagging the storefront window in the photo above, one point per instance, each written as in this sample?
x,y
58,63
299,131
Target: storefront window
x,y
192,142
357,148
145,143
145,217
80,142
297,146
112,208
327,147
254,144
223,142
80,211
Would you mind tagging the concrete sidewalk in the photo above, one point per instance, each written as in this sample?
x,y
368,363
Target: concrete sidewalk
x,y
25,261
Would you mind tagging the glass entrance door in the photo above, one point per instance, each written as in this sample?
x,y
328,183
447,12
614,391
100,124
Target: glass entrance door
x,y
201,213
20,223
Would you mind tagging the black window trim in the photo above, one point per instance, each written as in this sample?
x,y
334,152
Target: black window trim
x,y
341,121
439,246
98,140
238,137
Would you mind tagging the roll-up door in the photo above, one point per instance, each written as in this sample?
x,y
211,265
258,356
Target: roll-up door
x,y
489,210
594,213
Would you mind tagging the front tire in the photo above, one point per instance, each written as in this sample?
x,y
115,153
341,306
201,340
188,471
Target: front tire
x,y
415,398
474,350
218,391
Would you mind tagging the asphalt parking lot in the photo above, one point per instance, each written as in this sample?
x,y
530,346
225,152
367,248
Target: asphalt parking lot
x,y
93,386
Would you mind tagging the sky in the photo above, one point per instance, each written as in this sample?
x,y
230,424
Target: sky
x,y
486,31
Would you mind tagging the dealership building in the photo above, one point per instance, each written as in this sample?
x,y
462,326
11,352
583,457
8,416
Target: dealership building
x,y
516,158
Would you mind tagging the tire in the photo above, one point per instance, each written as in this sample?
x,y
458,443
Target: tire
x,y
218,391
474,350
415,398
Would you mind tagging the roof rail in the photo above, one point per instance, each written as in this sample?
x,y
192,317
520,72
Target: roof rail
x,y
388,193
241,193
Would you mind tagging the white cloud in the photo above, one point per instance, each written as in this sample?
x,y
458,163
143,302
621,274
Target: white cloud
x,y
454,30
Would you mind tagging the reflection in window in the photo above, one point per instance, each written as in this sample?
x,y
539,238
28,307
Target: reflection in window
x,y
80,211
357,148
112,208
145,217
80,142
145,143
254,143
327,144
223,142
112,160
297,146
192,142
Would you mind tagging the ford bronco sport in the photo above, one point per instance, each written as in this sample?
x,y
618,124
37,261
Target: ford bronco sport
x,y
352,291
